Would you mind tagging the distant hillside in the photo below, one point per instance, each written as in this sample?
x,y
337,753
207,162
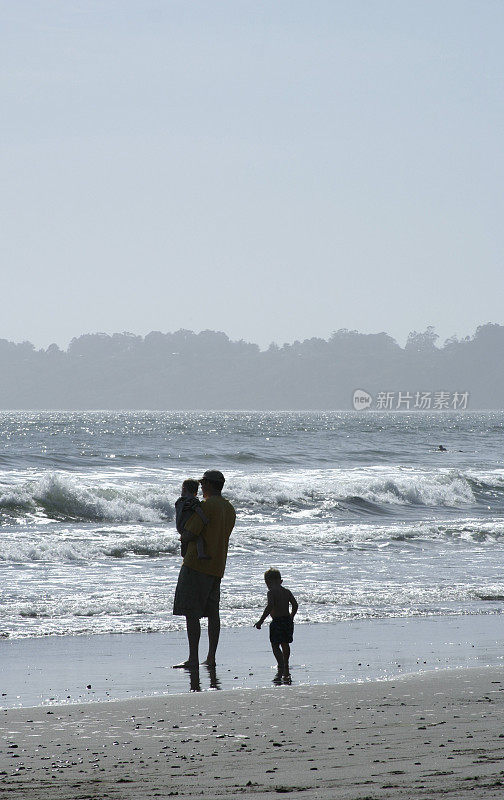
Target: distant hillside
x,y
185,370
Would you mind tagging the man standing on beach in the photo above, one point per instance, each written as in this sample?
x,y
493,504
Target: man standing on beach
x,y
198,588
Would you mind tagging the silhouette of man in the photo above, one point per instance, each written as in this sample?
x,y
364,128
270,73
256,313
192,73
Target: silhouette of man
x,y
198,587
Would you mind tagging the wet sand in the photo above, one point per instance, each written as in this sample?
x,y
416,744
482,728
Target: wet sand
x,y
411,737
59,669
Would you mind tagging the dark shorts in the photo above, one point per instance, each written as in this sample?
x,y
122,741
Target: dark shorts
x,y
197,594
281,630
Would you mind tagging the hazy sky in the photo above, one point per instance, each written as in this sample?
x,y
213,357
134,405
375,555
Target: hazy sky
x,y
276,170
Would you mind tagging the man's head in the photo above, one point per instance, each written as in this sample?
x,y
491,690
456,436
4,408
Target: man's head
x,y
212,482
272,577
190,488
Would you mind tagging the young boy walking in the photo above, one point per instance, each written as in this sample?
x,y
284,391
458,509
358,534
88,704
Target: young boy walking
x,y
282,607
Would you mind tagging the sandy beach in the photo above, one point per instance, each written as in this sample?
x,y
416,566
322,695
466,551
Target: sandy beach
x,y
414,737
402,708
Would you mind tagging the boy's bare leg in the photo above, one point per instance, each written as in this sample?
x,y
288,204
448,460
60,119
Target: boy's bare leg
x,y
200,548
193,628
285,659
277,652
213,638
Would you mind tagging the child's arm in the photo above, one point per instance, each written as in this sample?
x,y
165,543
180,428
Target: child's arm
x,y
263,617
294,605
265,613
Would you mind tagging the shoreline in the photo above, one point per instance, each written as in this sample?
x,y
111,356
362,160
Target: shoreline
x,y
415,738
91,669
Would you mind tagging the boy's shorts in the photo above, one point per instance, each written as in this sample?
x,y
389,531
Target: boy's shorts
x,y
281,630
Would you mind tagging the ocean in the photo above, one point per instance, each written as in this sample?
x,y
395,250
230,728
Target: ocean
x,y
360,511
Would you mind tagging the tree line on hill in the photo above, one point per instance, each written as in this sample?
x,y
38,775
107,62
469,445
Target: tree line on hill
x,y
186,370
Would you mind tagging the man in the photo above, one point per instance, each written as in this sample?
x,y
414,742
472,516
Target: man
x,y
198,588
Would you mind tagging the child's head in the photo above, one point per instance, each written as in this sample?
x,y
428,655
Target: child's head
x,y
190,487
272,576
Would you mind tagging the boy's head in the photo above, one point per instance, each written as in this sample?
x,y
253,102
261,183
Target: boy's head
x,y
272,576
190,487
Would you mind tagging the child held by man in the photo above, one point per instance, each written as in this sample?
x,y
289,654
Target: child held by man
x,y
187,505
282,607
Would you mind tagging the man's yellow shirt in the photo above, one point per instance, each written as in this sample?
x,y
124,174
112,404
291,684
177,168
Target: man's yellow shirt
x,y
221,518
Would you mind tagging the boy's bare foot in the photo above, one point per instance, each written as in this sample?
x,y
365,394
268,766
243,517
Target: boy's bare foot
x,y
186,665
209,662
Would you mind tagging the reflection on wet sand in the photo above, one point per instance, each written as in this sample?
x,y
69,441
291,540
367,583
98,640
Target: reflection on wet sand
x,y
195,681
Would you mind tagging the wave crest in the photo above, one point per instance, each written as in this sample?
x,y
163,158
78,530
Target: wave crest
x,y
56,549
366,491
66,497
319,493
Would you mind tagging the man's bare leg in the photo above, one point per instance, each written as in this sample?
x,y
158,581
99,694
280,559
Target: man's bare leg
x,y
193,628
213,638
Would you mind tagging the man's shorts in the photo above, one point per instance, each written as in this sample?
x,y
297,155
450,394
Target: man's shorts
x,y
281,630
197,594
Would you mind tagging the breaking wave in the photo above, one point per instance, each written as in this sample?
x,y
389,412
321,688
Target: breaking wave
x,y
57,548
64,497
373,491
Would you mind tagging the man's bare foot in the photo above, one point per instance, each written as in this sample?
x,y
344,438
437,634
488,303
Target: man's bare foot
x,y
208,662
186,665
